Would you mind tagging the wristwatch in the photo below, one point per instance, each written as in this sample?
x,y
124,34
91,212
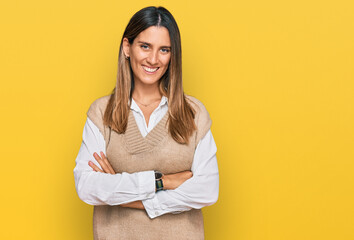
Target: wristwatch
x,y
158,180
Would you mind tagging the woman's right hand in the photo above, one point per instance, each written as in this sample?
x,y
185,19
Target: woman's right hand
x,y
173,181
104,163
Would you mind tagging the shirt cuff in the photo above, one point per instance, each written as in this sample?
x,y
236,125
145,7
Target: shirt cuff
x,y
155,208
152,207
147,187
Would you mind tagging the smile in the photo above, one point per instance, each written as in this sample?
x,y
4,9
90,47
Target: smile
x,y
150,70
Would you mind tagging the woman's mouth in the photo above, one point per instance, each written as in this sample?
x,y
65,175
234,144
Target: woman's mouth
x,y
150,70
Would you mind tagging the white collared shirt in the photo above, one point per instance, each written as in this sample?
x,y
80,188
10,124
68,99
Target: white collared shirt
x,y
96,188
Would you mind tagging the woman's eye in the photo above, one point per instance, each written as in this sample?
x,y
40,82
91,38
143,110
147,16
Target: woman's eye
x,y
165,50
144,46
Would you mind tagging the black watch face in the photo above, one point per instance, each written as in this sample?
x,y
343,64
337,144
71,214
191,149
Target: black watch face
x,y
158,175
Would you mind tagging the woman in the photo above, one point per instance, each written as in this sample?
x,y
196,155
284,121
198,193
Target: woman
x,y
147,161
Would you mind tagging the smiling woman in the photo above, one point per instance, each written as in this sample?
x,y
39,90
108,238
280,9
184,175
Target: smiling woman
x,y
156,166
149,55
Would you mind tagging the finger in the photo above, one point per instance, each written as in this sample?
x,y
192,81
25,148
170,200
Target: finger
x,y
94,167
107,163
101,162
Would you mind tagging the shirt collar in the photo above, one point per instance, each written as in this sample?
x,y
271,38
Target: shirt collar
x,y
134,106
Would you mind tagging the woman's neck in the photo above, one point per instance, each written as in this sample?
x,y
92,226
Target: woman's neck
x,y
146,93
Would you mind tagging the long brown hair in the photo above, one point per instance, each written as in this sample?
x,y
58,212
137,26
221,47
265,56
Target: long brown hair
x,y
181,114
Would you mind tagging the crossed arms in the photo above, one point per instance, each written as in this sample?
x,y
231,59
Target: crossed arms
x,y
97,184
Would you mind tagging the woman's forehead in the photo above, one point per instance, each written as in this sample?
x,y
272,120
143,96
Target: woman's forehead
x,y
155,36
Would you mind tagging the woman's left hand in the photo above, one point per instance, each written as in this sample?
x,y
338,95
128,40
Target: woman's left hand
x,y
103,161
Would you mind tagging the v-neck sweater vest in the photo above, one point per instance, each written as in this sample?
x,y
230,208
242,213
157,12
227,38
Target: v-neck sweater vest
x,y
131,152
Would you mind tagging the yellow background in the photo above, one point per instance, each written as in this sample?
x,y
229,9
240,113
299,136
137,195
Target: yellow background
x,y
276,77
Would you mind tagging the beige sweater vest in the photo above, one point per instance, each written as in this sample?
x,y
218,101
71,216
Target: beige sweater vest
x,y
131,152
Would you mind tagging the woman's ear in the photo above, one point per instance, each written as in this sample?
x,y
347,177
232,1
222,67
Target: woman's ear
x,y
126,47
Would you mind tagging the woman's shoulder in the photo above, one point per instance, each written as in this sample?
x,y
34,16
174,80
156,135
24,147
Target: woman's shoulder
x,y
99,104
97,109
196,104
202,117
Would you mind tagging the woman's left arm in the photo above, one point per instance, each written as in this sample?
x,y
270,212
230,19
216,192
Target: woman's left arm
x,y
199,191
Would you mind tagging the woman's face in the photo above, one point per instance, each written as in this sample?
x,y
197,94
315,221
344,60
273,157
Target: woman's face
x,y
150,54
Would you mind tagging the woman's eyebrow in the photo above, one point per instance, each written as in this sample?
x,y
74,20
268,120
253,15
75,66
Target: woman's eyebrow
x,y
149,44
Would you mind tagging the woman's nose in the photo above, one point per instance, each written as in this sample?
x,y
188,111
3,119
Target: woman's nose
x,y
153,58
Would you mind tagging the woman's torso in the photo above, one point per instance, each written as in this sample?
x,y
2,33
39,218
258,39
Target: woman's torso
x,y
132,152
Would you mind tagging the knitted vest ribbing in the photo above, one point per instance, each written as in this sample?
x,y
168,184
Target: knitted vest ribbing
x,y
131,152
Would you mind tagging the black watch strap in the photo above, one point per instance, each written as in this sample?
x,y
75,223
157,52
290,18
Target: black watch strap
x,y
158,181
159,184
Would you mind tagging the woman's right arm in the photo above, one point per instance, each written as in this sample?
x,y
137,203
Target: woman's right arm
x,y
97,188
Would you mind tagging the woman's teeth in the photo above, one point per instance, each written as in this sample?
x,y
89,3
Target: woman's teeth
x,y
150,69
